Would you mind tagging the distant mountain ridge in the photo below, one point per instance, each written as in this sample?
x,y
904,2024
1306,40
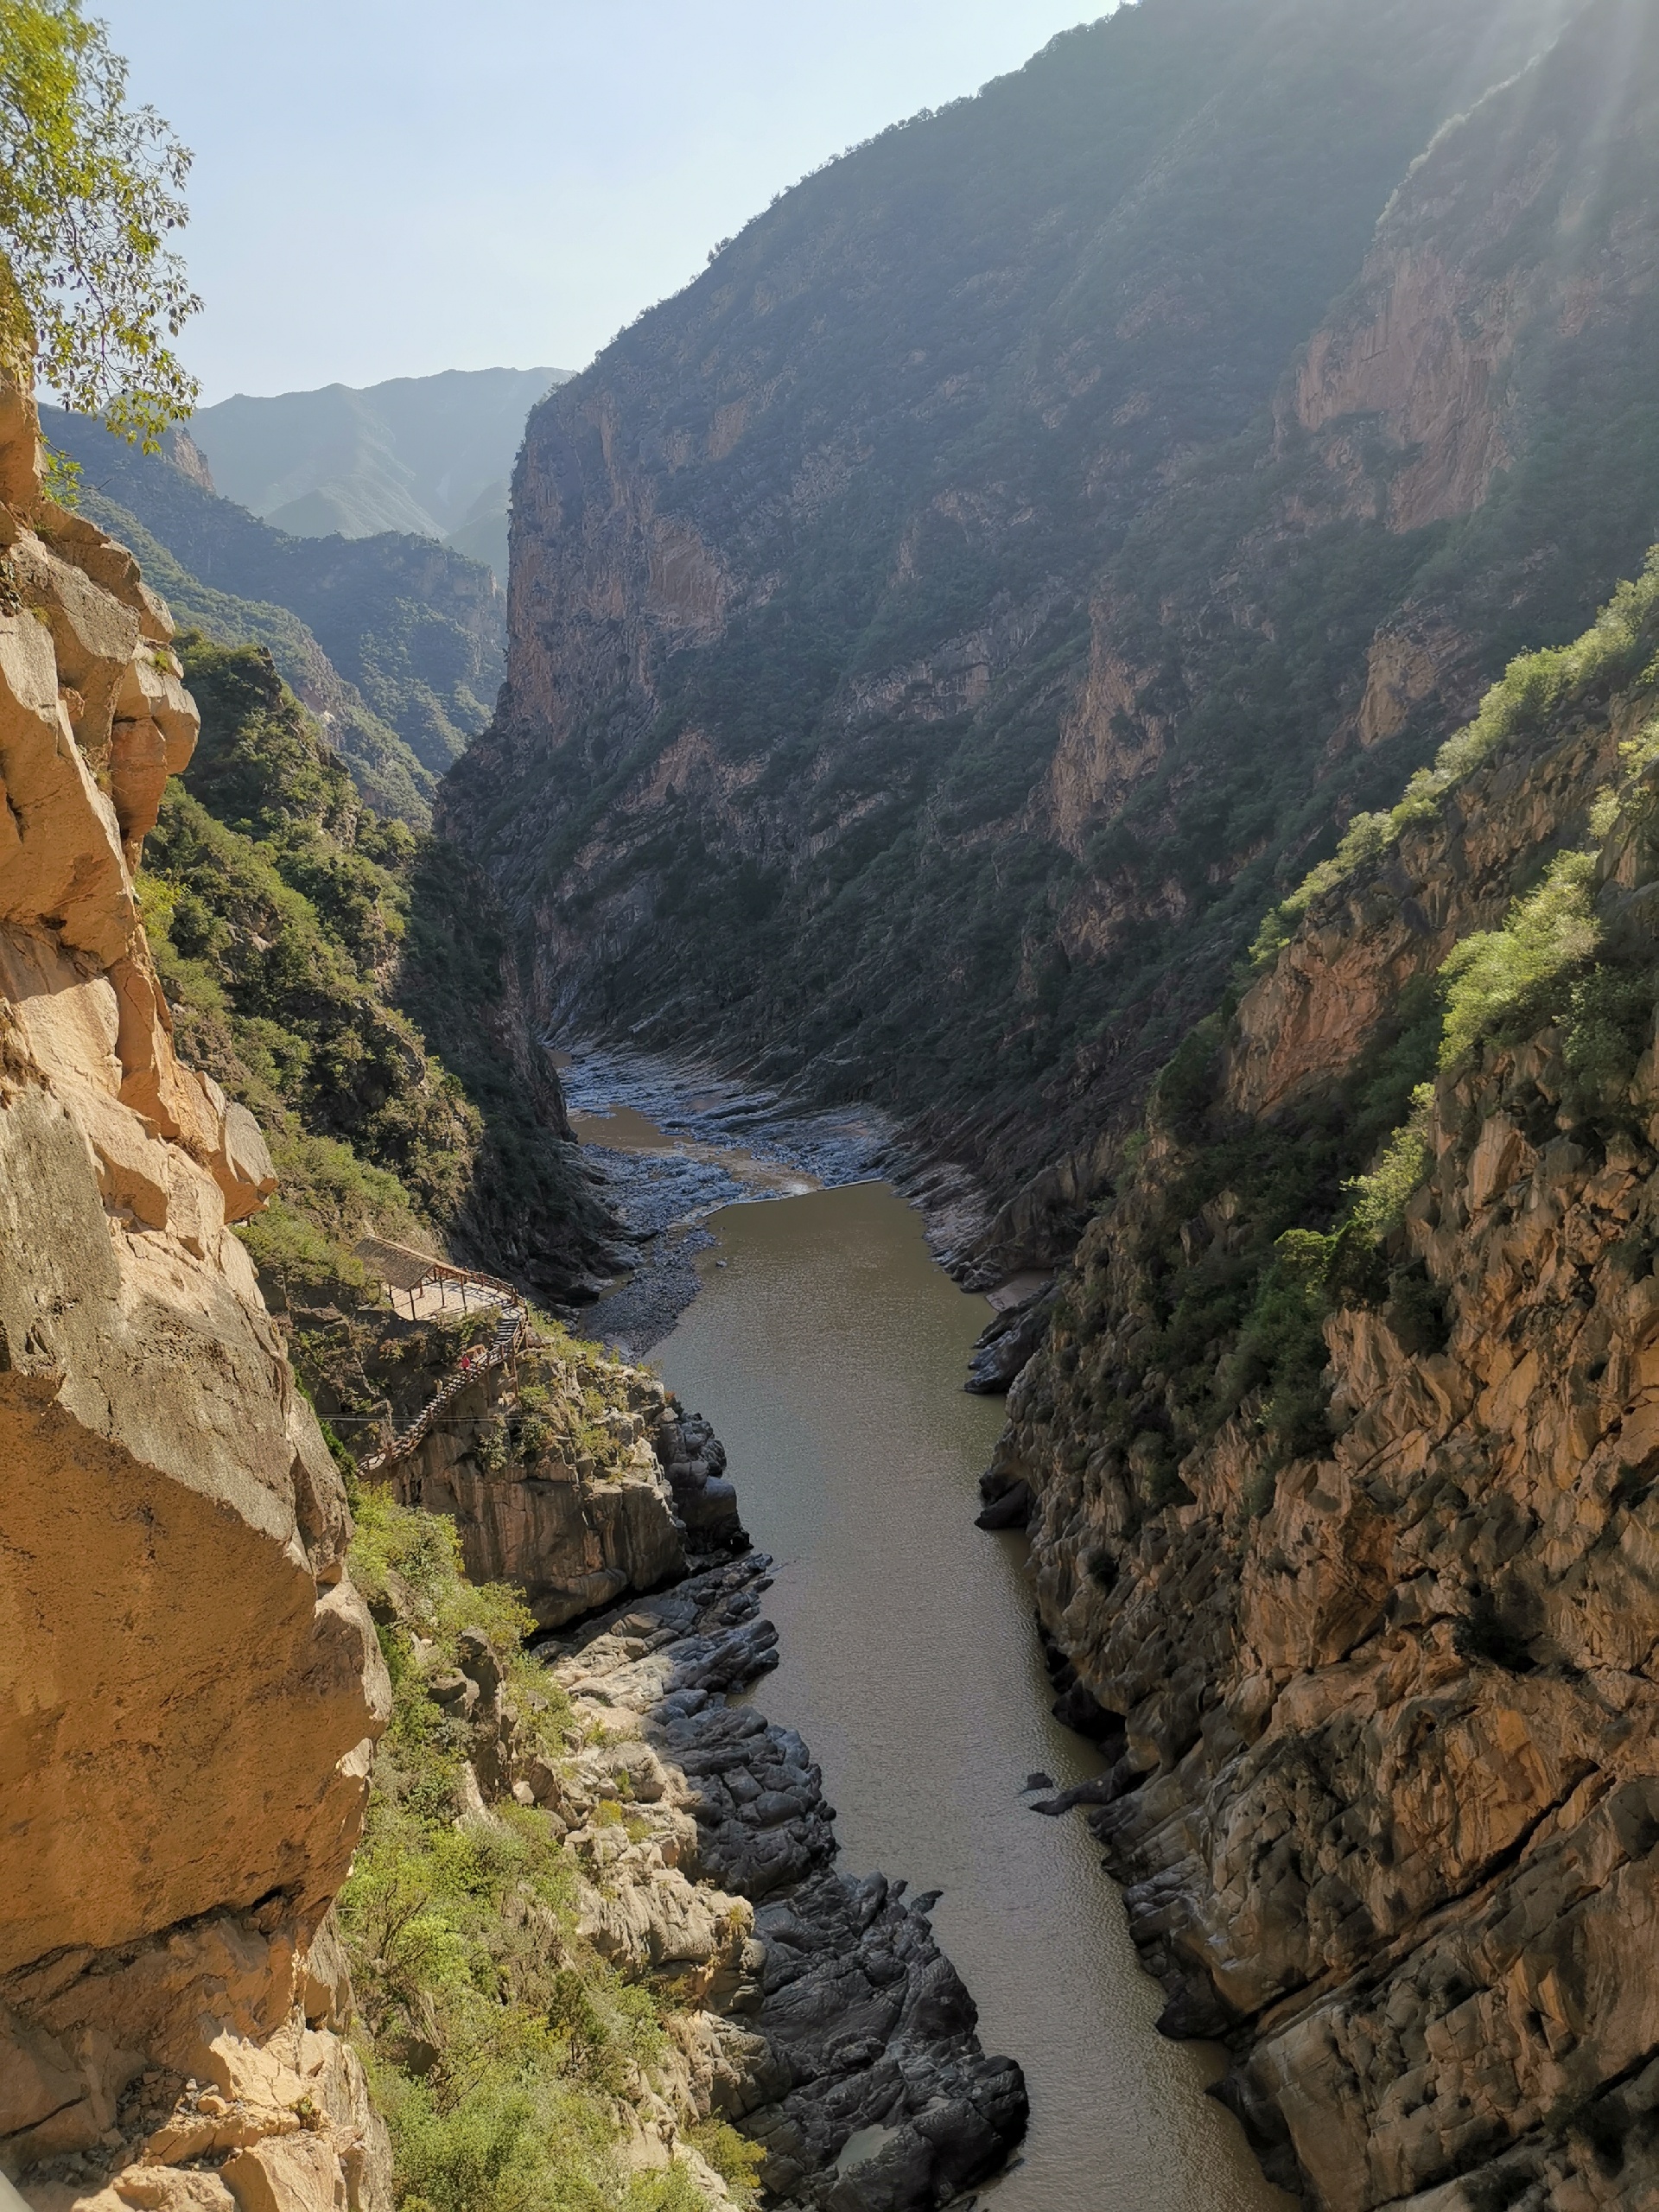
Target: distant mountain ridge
x,y
388,777
414,629
427,455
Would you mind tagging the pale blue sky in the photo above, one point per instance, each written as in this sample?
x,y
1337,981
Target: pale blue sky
x,y
387,188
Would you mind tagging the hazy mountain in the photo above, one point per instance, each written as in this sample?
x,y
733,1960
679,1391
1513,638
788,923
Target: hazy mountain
x,y
427,454
415,627
385,770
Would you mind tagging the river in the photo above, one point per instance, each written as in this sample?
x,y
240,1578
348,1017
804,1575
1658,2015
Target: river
x,y
827,1349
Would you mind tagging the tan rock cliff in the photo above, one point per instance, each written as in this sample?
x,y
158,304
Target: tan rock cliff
x,y
191,1688
572,1534
1385,1713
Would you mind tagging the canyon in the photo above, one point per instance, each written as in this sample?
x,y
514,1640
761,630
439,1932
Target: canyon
x,y
937,633
918,695
199,1685
1096,674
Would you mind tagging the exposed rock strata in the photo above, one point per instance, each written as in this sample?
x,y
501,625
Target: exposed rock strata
x,y
572,1536
1384,1721
192,1688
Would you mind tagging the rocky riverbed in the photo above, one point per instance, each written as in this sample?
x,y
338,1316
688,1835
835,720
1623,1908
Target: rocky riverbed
x,y
671,1143
850,2052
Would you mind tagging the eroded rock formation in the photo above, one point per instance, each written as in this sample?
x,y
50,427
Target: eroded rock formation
x,y
1380,1694
572,1532
832,2015
821,2009
191,1688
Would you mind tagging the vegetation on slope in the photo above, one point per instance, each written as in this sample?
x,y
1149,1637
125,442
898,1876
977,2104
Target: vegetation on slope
x,y
390,779
1242,1236
415,628
339,975
505,2053
1537,690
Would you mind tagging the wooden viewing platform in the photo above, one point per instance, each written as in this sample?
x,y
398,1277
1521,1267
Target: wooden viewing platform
x,y
425,1282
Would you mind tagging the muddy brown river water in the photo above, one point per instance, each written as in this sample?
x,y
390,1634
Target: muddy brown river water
x,y
827,1349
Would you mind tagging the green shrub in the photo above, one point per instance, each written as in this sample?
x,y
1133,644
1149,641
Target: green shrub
x,y
292,1253
1609,1022
1380,1198
1416,1310
483,2155
1366,836
734,2157
503,2048
1502,982
1533,694
1280,1349
1186,1085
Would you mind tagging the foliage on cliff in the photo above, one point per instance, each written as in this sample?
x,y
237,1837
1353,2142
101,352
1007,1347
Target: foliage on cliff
x,y
1243,1235
1537,691
1038,570
393,781
1355,1558
337,973
89,192
505,2053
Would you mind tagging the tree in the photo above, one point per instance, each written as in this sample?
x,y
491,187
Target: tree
x,y
89,192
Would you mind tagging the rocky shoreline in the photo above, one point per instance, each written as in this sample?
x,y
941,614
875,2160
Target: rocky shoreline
x,y
724,1143
842,2023
857,2065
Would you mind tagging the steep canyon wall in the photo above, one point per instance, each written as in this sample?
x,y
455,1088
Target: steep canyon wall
x,y
193,1686
1345,1530
939,633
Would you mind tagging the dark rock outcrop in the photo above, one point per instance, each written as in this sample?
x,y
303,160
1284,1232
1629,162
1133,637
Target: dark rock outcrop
x,y
856,2030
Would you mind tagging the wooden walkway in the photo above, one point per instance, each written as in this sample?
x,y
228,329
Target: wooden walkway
x,y
397,1266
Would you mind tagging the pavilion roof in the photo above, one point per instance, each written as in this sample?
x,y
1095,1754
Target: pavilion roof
x,y
399,1265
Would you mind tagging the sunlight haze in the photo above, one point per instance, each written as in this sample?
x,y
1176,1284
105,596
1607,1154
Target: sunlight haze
x,y
383,187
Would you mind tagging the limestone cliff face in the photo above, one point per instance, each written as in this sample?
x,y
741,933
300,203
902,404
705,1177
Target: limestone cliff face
x,y
192,1688
1383,1705
936,633
1427,358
